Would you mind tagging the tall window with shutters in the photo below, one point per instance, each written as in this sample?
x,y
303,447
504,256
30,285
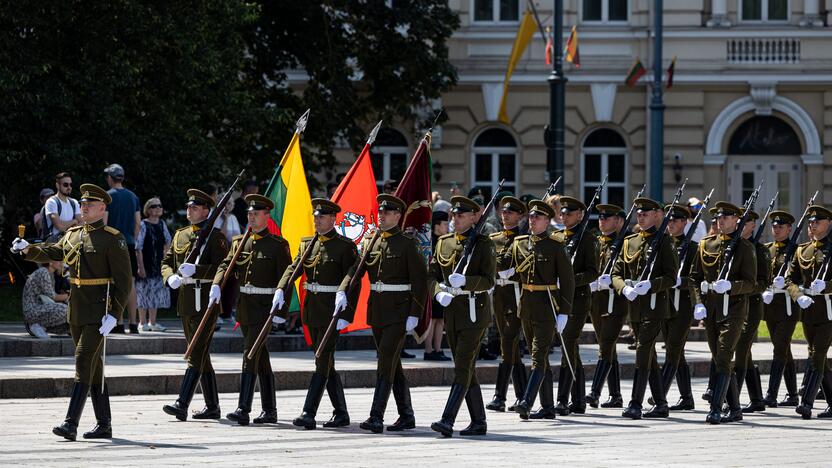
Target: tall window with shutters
x,y
493,158
389,156
604,152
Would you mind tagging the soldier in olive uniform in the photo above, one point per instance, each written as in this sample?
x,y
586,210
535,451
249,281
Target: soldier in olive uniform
x,y
506,303
584,253
781,315
539,261
261,262
193,281
464,293
608,311
744,367
331,257
810,286
100,283
646,287
398,291
723,325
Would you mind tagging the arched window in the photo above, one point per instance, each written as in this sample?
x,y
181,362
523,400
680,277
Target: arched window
x,y
389,156
494,157
764,135
605,153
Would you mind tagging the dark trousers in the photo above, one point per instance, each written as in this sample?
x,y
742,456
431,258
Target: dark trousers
x,y
389,342
89,344
200,358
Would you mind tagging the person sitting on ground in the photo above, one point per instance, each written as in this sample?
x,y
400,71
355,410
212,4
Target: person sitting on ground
x,y
44,311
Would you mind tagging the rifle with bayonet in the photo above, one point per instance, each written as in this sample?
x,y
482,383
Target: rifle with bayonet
x,y
756,237
615,247
791,247
575,241
684,246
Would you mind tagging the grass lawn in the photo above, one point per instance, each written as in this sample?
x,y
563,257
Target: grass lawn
x,y
798,335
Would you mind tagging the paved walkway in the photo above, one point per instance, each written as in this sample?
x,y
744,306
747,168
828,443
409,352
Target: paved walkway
x,y
144,436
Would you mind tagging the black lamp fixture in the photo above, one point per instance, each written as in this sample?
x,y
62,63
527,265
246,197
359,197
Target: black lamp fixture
x,y
437,170
677,167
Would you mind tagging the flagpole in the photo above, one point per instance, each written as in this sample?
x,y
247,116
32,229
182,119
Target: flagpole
x,y
553,134
657,110
300,126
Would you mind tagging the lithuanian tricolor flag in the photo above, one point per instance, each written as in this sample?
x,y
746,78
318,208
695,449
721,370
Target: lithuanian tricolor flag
x,y
636,72
571,49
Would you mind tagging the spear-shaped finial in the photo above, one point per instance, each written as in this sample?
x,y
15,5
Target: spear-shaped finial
x,y
300,125
372,138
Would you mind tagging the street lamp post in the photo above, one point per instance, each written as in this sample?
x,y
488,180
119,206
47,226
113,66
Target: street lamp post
x,y
656,183
554,132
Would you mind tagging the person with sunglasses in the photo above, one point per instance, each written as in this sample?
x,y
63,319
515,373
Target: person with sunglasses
x,y
151,244
61,211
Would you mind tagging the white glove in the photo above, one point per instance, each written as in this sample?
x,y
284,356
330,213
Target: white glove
x,y
805,301
700,312
779,282
818,286
593,286
561,322
340,302
19,245
108,322
411,323
456,280
214,295
506,274
278,320
186,270
174,281
722,286
444,298
678,282
277,300
768,296
630,293
642,287
604,281
342,324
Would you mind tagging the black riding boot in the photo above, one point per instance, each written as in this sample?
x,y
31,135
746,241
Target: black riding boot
x,y
340,415
775,375
473,399
445,426
732,398
755,391
640,378
721,383
498,403
179,408
268,403
527,402
614,384
711,382
685,393
811,391
401,393
792,397
565,381
519,380
314,394
602,369
212,397
241,414
69,429
657,390
547,398
578,404
103,418
375,423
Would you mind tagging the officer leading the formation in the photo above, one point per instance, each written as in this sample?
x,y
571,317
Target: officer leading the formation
x,y
100,283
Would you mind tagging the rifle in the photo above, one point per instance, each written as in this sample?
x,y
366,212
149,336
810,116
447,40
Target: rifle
x,y
572,245
471,241
199,245
756,237
615,248
225,277
821,275
552,188
791,247
685,245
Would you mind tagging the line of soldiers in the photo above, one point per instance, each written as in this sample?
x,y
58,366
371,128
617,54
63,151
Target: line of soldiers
x,y
545,283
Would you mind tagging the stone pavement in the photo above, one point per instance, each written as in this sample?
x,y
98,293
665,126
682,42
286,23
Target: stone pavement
x,y
144,436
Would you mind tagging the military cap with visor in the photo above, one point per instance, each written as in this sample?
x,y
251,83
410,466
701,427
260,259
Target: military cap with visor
x,y
92,192
322,206
541,208
644,204
817,212
607,210
678,211
568,204
779,217
258,202
387,202
513,204
198,197
460,204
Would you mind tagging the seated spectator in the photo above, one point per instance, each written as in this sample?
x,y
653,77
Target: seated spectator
x,y
44,311
151,245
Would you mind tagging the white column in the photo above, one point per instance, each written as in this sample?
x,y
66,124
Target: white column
x,y
811,17
719,14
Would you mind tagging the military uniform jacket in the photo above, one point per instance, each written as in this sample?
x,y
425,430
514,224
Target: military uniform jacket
x,y
479,278
600,299
504,296
96,254
763,260
633,260
585,267
687,285
330,260
776,311
742,275
805,266
260,264
394,259
538,261
216,249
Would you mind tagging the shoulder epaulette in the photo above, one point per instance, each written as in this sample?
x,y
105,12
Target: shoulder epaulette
x,y
182,229
805,244
237,237
112,230
709,237
521,238
495,234
445,236
75,228
307,238
630,236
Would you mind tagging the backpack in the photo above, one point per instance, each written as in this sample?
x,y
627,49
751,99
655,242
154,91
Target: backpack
x,y
46,223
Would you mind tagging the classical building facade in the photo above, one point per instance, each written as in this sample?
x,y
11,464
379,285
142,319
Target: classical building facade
x,y
751,100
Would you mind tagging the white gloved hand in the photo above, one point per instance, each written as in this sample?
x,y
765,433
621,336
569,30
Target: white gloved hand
x,y
630,293
411,323
19,245
605,281
561,322
342,324
593,286
768,296
456,280
108,322
699,312
444,298
779,282
278,320
722,286
678,282
805,301
642,287
214,295
340,302
506,274
818,286
278,300
186,270
174,281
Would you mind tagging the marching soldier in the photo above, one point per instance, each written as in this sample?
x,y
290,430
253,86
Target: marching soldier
x,y
744,366
328,262
607,321
649,304
398,290
585,267
465,297
260,264
100,282
809,285
723,326
192,281
540,263
506,303
781,315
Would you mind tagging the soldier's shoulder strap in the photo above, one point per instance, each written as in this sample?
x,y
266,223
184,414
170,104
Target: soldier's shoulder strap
x,y
112,230
237,237
495,234
521,238
345,239
446,236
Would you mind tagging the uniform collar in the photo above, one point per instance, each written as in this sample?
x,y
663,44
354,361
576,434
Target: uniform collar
x,y
647,232
536,237
261,234
512,231
329,235
779,244
94,225
464,235
390,232
199,225
725,237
